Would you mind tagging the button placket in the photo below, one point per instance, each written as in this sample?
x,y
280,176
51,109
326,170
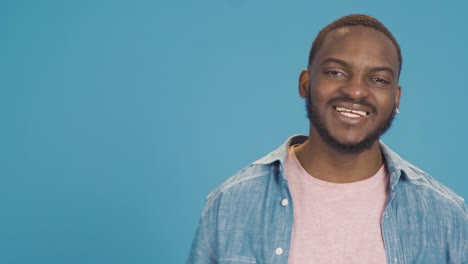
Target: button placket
x,y
279,251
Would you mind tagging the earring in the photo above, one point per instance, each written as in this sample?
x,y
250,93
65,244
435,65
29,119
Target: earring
x,y
397,111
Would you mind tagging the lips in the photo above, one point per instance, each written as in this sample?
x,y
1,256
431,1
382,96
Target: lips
x,y
353,113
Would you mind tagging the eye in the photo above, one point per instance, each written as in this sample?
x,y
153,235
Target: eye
x,y
380,80
333,73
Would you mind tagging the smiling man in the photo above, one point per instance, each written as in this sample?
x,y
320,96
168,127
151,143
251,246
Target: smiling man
x,y
338,195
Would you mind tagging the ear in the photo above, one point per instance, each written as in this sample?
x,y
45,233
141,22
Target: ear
x,y
304,83
397,97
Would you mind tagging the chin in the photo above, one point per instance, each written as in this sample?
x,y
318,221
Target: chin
x,y
352,147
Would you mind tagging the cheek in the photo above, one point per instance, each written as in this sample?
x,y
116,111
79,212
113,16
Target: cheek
x,y
317,101
387,103
320,92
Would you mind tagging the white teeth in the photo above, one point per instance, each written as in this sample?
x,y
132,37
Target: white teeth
x,y
350,112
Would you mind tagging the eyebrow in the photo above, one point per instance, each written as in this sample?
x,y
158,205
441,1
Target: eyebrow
x,y
335,60
346,64
383,68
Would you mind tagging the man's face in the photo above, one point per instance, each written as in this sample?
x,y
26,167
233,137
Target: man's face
x,y
351,88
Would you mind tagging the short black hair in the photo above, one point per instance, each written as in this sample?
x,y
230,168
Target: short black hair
x,y
354,20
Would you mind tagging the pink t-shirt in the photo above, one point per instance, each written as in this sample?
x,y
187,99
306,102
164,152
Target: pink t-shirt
x,y
336,222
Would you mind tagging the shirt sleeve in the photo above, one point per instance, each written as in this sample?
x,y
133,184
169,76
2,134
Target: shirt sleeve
x,y
203,249
465,254
465,238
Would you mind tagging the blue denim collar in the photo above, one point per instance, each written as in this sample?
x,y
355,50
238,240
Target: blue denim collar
x,y
397,166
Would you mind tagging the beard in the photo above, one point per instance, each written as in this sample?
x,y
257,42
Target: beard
x,y
352,148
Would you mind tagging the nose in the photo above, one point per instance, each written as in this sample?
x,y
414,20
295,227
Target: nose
x,y
355,88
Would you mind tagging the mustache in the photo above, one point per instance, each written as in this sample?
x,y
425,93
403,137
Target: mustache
x,y
345,99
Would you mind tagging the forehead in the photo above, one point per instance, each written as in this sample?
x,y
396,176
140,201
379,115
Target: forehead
x,y
359,44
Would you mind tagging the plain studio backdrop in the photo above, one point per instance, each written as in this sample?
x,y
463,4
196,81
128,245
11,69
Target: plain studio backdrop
x,y
119,117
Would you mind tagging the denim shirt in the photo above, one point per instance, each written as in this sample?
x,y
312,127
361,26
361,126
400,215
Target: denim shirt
x,y
249,218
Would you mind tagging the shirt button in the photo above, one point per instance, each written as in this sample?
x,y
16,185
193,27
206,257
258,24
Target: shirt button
x,y
284,202
279,251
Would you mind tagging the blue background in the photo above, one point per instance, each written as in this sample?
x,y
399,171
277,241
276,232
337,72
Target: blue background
x,y
119,117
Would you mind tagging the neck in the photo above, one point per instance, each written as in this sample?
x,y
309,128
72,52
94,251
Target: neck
x,y
328,164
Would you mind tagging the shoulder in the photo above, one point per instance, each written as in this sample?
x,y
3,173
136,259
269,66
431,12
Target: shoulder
x,y
260,180
248,175
424,190
425,206
427,186
246,185
413,183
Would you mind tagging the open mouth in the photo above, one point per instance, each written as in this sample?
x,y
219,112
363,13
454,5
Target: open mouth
x,y
351,113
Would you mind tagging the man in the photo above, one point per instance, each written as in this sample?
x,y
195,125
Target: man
x,y
339,195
